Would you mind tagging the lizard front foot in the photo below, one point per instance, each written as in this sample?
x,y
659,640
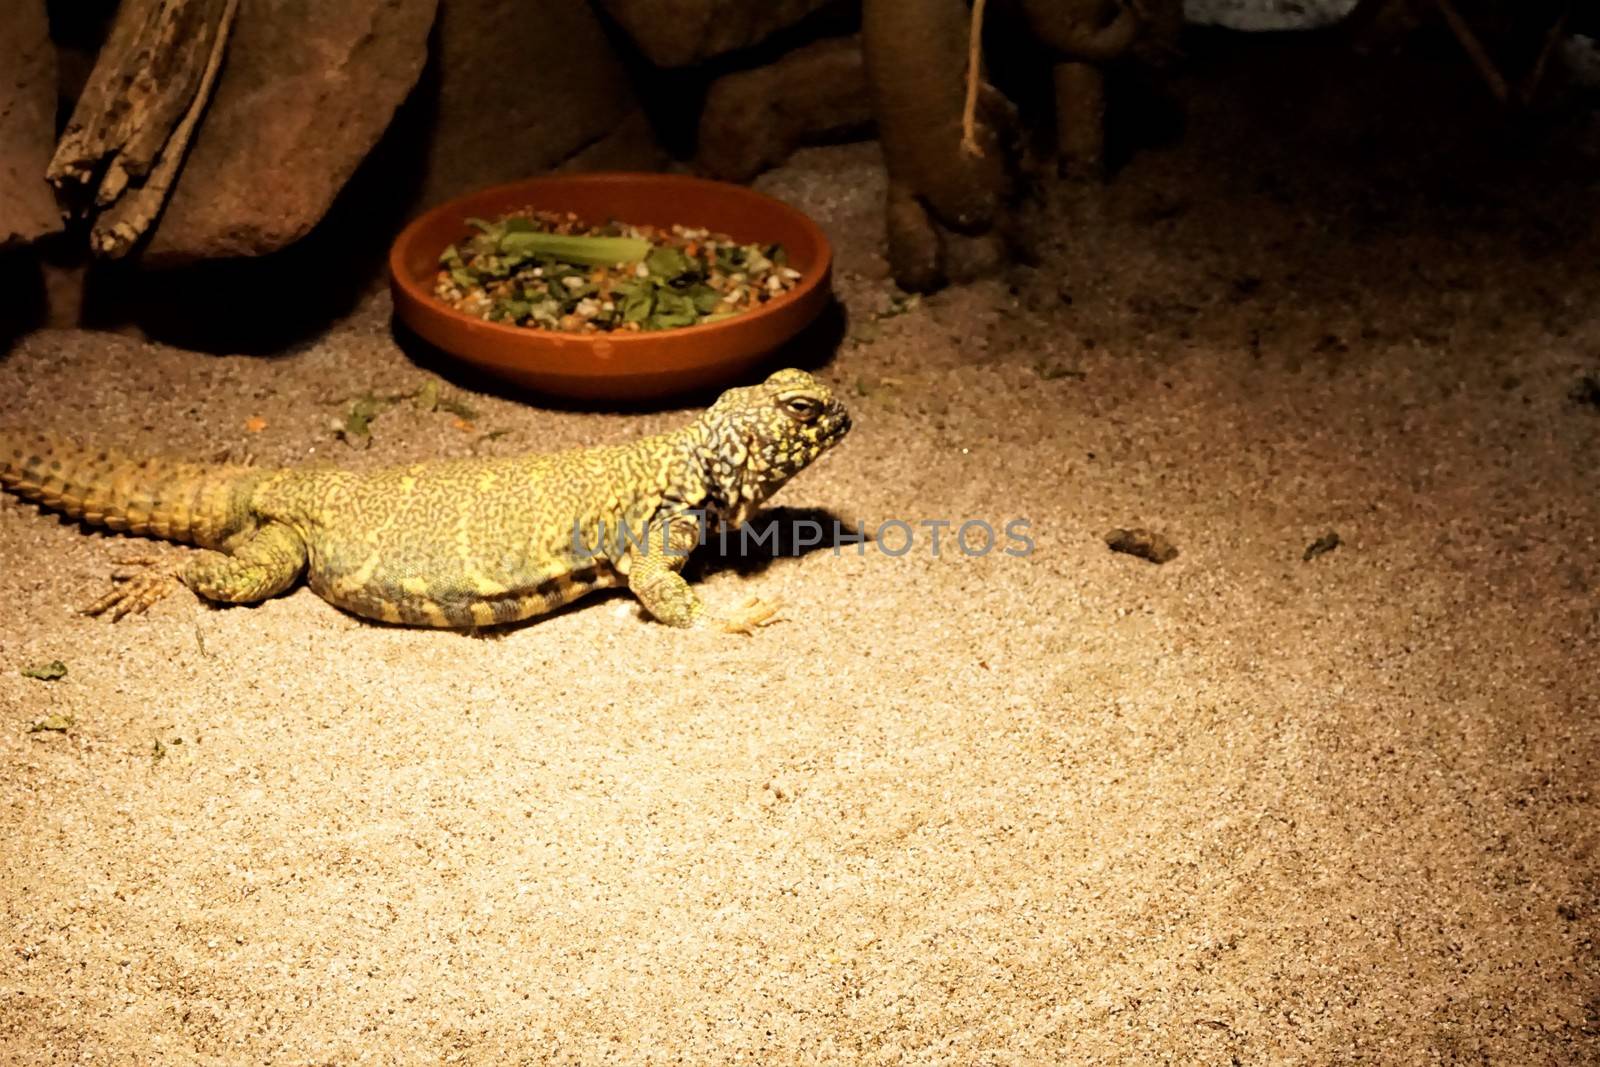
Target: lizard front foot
x,y
744,619
135,590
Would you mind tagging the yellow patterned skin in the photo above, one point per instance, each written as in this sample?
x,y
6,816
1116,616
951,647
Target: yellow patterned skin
x,y
454,543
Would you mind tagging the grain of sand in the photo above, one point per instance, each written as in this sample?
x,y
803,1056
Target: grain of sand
x,y
1074,807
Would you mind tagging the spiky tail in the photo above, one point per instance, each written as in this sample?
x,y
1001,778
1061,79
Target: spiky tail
x,y
189,502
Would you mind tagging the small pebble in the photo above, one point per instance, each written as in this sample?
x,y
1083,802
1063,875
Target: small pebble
x,y
1326,543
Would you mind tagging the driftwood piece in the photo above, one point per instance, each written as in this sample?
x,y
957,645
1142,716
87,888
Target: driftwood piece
x,y
1475,51
1084,35
27,122
915,52
1499,85
140,106
1080,120
1552,40
1089,31
120,226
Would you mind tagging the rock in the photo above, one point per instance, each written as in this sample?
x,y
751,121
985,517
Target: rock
x,y
632,145
518,94
678,33
307,91
1587,392
754,119
1146,544
27,122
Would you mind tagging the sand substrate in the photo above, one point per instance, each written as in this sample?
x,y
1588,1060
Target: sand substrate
x,y
1071,806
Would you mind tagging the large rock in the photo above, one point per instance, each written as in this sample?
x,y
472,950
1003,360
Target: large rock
x,y
632,145
753,119
27,122
518,93
678,33
308,89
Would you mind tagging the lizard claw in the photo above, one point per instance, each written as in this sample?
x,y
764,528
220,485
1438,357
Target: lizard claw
x,y
753,612
134,591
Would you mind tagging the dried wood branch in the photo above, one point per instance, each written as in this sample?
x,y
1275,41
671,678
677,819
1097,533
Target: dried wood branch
x,y
969,113
1475,51
1552,40
120,226
144,87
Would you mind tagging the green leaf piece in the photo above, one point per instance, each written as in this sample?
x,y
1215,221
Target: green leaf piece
x,y
427,397
639,304
704,297
46,672
672,309
668,263
511,311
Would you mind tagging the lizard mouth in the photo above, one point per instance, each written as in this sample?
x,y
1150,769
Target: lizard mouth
x,y
835,426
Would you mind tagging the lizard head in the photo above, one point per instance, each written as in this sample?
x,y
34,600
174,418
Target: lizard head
x,y
759,436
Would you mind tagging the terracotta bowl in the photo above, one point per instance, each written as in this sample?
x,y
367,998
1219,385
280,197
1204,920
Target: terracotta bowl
x,y
619,365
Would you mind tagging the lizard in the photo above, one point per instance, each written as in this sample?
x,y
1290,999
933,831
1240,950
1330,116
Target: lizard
x,y
450,543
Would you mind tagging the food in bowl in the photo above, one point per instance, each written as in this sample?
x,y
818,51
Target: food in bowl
x,y
552,271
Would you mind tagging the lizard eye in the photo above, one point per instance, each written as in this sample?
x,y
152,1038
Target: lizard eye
x,y
804,408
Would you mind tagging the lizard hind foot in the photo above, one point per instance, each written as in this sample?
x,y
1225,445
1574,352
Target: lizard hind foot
x,y
136,588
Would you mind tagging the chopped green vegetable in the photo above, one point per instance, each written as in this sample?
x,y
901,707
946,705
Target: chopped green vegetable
x,y
866,332
1051,371
512,310
46,672
543,270
589,251
458,407
427,397
365,408
355,429
639,304
900,304
704,297
672,309
667,263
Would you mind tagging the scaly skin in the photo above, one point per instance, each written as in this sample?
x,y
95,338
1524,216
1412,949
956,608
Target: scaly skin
x,y
454,543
